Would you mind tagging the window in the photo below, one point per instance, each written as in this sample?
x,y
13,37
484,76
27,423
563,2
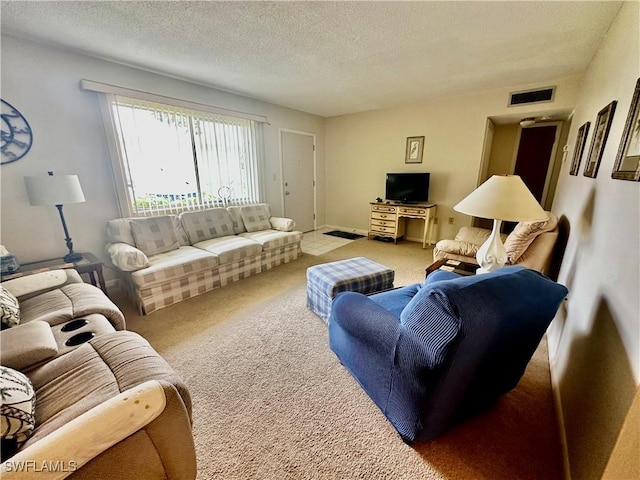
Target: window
x,y
172,159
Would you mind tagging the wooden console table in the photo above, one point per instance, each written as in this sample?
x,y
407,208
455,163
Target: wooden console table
x,y
389,219
455,266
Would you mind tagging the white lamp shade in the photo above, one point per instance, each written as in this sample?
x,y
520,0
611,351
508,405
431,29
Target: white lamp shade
x,y
503,197
47,190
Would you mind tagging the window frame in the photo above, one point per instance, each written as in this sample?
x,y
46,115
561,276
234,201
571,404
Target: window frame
x,y
106,98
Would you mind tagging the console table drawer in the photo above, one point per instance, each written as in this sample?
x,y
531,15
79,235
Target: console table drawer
x,y
383,208
383,229
383,216
421,212
383,223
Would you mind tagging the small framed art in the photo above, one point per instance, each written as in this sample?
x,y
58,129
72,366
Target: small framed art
x,y
581,141
600,133
413,154
627,164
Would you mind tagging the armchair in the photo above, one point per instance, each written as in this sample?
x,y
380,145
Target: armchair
x,y
58,296
430,355
110,409
82,398
530,244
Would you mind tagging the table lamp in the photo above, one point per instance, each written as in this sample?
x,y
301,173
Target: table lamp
x,y
502,197
50,190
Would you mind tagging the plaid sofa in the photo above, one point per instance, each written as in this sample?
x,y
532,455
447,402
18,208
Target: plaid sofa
x,y
167,259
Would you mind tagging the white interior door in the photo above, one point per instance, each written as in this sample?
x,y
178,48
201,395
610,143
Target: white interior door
x,y
298,153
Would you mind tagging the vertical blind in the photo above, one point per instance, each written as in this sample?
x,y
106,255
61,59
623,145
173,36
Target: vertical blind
x,y
175,159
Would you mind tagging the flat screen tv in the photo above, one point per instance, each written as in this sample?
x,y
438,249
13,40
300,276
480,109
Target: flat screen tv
x,y
407,187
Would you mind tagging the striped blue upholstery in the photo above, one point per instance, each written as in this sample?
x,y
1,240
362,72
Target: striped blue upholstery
x,y
458,344
396,300
357,274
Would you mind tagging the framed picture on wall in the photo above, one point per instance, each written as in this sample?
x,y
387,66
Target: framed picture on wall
x,y
627,165
413,153
581,141
600,133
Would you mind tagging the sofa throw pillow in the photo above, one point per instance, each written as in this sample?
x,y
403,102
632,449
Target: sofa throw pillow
x,y
127,257
524,234
10,308
154,235
17,409
282,224
256,217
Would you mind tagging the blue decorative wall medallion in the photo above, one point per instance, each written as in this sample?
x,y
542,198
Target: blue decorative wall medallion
x,y
16,134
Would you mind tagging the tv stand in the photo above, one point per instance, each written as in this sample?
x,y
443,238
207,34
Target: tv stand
x,y
389,219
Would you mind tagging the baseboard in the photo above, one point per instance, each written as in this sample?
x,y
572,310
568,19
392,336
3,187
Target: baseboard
x,y
557,400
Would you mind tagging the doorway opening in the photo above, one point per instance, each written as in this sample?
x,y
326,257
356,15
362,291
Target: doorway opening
x,y
533,152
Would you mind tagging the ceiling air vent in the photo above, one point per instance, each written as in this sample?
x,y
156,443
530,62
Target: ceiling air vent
x,y
532,96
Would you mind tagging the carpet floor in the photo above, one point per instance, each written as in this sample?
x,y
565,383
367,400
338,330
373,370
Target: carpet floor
x,y
271,401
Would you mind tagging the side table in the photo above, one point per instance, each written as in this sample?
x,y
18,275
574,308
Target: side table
x,y
455,266
89,264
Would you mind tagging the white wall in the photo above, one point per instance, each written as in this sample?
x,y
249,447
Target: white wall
x,y
43,84
362,148
503,150
595,342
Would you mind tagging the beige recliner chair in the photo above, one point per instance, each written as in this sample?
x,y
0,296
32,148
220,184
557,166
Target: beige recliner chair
x,y
530,244
96,401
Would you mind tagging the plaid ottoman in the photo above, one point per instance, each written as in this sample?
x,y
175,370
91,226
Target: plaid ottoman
x,y
358,274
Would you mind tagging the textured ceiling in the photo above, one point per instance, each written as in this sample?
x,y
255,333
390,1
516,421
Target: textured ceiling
x,y
329,58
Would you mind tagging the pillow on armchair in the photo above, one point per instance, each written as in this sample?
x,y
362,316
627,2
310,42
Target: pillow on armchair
x,y
524,234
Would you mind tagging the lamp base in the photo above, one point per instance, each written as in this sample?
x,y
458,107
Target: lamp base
x,y
481,270
492,255
72,257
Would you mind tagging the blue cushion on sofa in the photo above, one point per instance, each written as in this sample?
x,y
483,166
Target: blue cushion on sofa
x,y
418,298
440,275
396,300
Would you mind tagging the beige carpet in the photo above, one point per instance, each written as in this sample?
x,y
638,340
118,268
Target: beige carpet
x,y
271,401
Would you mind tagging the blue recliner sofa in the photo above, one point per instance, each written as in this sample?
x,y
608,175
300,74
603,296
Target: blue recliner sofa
x,y
430,355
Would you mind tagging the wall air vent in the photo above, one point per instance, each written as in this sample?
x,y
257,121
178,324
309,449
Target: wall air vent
x,y
532,96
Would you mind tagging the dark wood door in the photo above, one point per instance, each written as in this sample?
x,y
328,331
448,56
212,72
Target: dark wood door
x,y
534,156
